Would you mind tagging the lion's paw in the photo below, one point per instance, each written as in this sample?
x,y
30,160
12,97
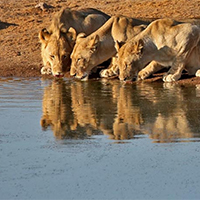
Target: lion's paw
x,y
46,71
170,77
142,75
197,74
105,73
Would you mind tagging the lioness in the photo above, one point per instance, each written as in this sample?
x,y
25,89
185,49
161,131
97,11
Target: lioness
x,y
98,47
58,41
163,43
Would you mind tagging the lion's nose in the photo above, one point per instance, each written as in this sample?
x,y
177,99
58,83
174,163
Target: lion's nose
x,y
121,78
59,75
125,79
72,73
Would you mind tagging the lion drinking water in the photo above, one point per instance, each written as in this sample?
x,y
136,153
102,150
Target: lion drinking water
x,y
58,41
163,43
99,46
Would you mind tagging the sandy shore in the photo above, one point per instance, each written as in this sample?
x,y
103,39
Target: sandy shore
x,y
20,23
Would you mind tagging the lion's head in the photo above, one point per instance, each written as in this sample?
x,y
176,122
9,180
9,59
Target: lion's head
x,y
56,50
84,56
129,56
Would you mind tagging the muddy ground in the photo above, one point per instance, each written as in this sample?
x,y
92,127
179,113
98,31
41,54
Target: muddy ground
x,y
21,21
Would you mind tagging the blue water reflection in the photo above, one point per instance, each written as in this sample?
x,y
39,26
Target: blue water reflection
x,y
65,139
163,112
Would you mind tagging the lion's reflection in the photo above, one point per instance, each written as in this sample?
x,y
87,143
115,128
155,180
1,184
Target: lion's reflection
x,y
81,109
166,113
58,113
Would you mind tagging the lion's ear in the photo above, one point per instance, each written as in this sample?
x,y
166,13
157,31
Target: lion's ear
x,y
44,35
80,36
118,45
71,34
93,44
138,47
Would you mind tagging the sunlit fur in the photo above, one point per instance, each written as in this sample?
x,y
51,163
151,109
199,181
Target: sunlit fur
x,y
58,41
163,43
98,47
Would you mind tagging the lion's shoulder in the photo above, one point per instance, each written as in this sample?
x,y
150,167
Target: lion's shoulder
x,y
68,17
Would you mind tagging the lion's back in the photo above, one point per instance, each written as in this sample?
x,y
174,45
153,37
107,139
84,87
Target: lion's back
x,y
78,19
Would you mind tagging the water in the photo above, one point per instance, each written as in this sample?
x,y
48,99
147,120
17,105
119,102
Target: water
x,y
65,139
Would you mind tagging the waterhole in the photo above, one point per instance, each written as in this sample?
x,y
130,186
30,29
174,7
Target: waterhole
x,y
100,139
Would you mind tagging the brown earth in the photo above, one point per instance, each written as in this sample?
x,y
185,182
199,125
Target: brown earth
x,y
21,21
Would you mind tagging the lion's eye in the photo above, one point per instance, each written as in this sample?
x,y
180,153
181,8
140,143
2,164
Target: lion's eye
x,y
78,60
52,57
64,57
125,66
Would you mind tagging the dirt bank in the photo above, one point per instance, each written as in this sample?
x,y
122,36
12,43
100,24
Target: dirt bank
x,y
20,23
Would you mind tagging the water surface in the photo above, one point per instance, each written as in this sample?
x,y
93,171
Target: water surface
x,y
101,139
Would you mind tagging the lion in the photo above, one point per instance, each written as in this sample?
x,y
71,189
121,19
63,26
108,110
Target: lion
x,y
58,41
99,46
164,43
68,116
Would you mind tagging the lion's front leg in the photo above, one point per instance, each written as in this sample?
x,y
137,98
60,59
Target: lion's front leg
x,y
46,70
171,77
197,74
151,68
175,72
178,65
112,70
105,73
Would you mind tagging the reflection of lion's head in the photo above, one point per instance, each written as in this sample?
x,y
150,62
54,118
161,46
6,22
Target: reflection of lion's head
x,y
129,117
66,112
77,110
57,111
